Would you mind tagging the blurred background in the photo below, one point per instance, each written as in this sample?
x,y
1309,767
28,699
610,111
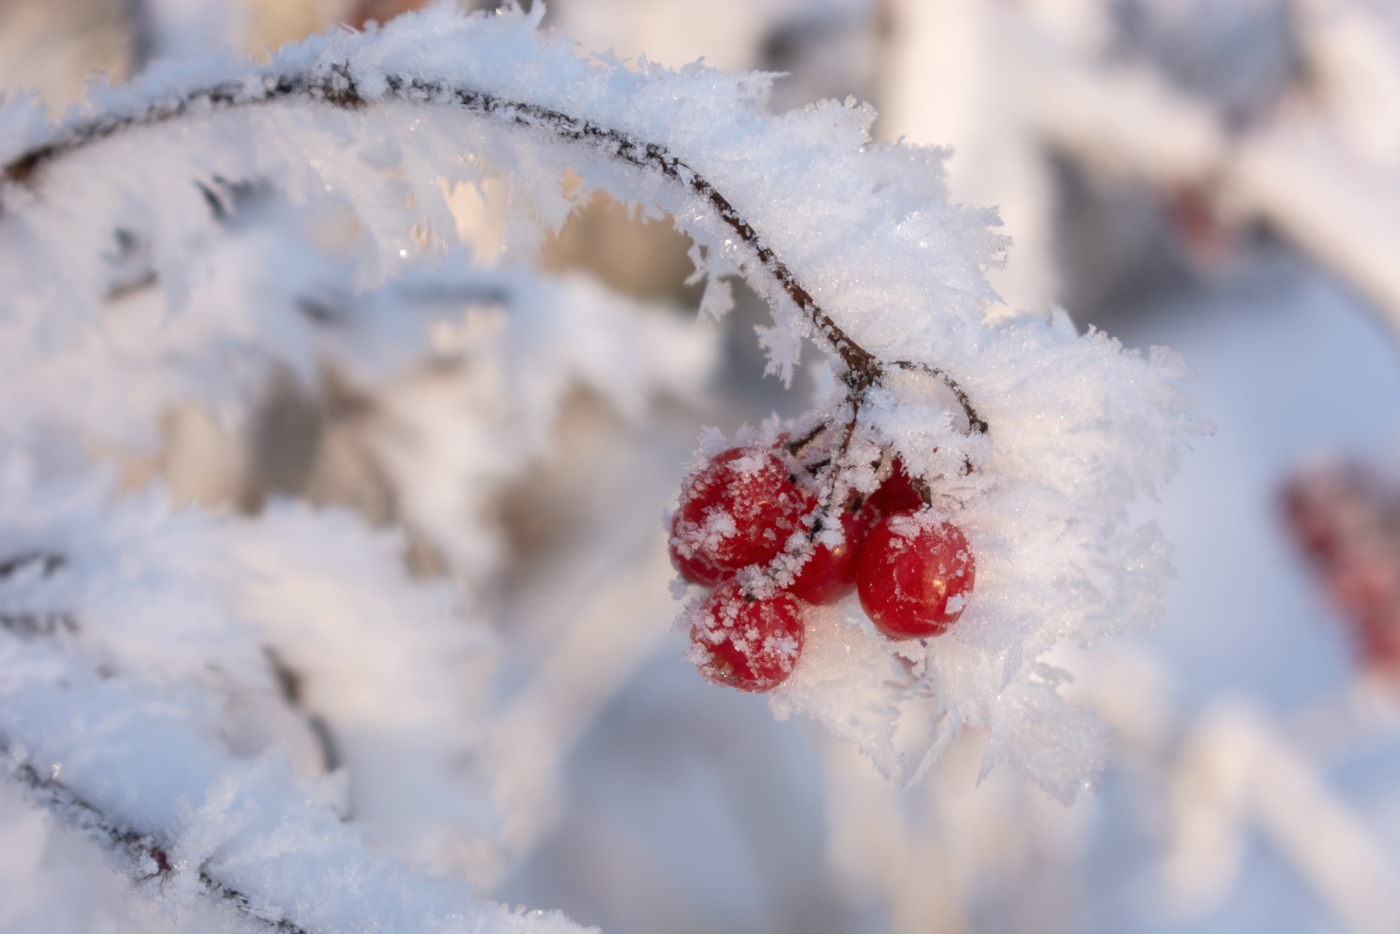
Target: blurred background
x,y
1219,176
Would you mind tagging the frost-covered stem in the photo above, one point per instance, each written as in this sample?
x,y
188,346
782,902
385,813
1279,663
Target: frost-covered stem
x,y
339,89
129,845
832,465
974,421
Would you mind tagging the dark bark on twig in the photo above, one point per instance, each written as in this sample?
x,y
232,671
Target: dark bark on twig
x,y
975,422
38,624
29,624
50,563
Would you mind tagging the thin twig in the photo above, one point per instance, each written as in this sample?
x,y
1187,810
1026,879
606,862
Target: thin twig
x,y
41,623
975,422
50,561
827,502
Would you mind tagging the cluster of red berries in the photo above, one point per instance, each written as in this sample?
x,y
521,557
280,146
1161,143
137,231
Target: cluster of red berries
x,y
1348,522
750,509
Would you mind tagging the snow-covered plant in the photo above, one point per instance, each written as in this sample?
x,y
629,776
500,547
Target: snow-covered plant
x,y
211,224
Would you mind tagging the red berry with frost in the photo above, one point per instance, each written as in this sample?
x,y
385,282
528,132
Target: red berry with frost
x,y
915,575
738,511
830,573
748,643
897,494
693,567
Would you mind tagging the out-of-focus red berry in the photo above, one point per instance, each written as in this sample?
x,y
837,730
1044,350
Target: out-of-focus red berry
x,y
747,643
915,575
1367,585
738,511
1346,520
830,573
1322,508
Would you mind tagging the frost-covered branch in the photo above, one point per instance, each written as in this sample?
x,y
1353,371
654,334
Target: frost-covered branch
x,y
336,86
141,856
126,727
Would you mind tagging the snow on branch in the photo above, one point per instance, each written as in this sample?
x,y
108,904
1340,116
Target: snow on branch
x,y
334,84
177,205
338,78
383,894
142,857
129,740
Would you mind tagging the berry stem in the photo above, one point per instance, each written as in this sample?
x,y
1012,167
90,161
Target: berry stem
x,y
826,500
975,422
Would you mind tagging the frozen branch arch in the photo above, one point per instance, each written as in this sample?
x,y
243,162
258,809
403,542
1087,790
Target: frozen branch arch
x,y
337,87
853,246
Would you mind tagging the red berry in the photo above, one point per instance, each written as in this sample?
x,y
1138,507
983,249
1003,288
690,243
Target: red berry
x,y
830,573
738,511
694,568
914,575
897,494
1366,585
747,643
